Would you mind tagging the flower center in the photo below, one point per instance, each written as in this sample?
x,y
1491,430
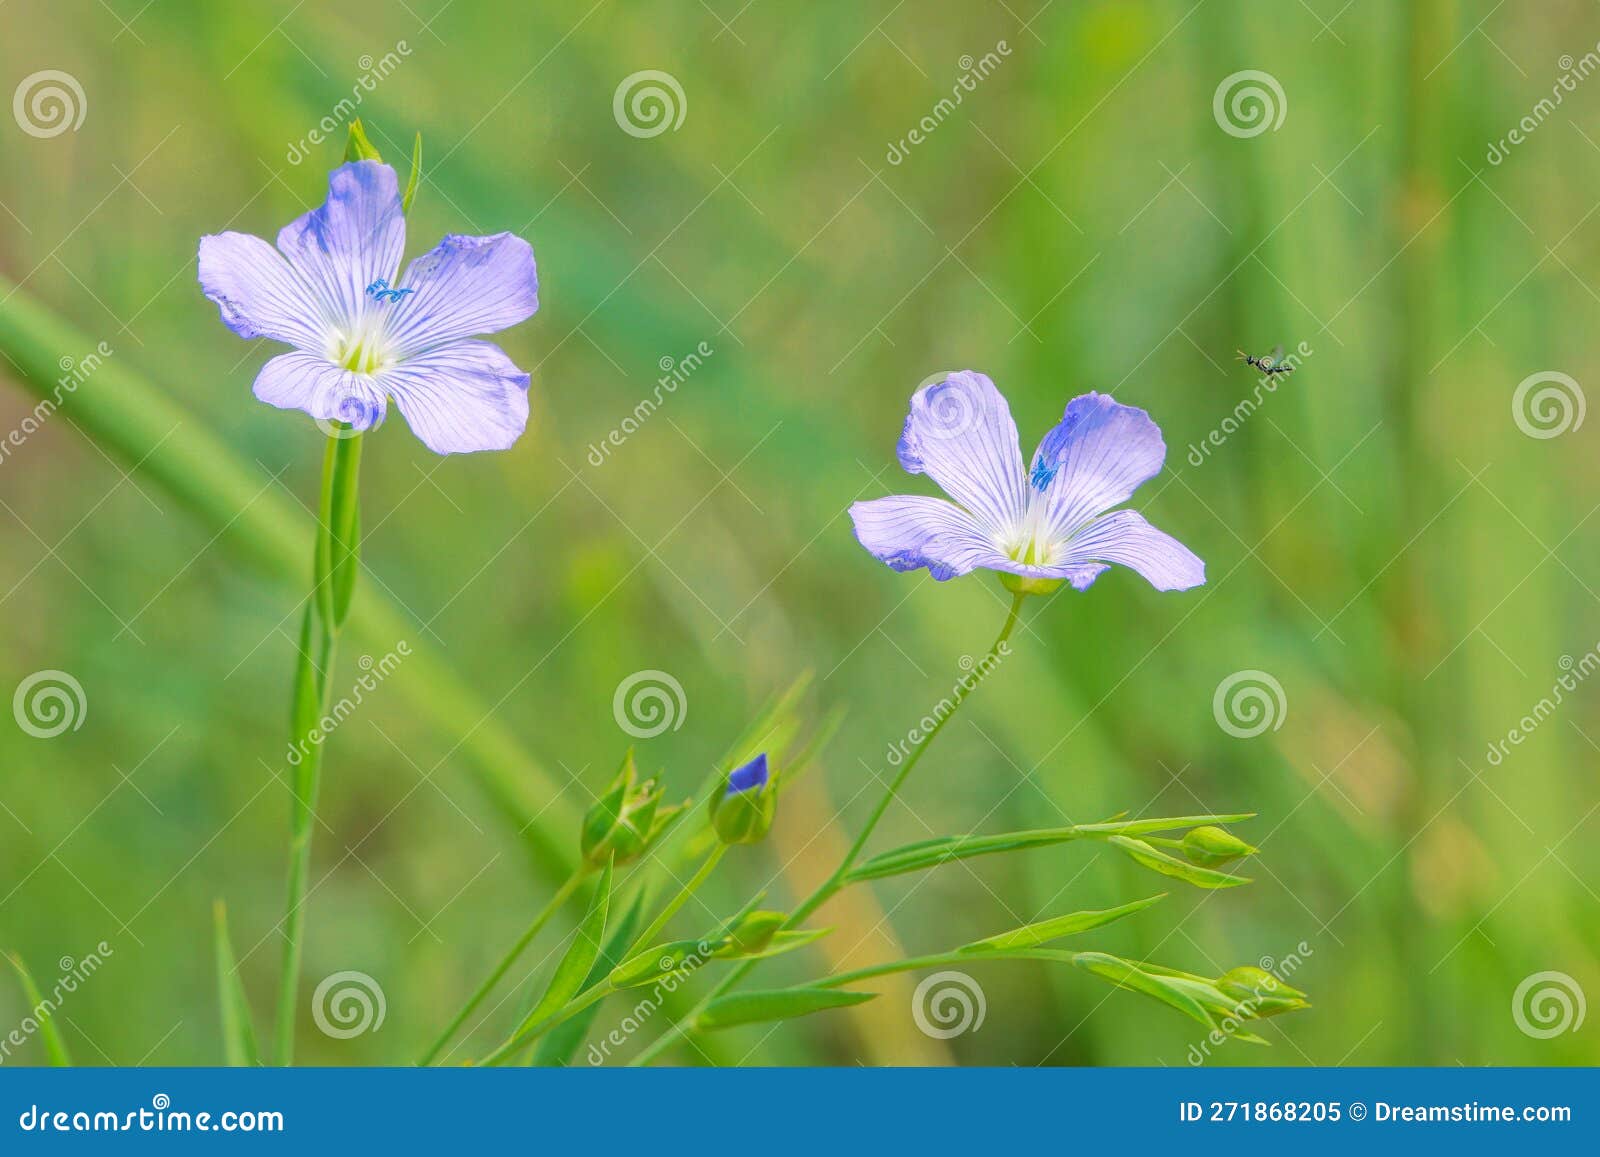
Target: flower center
x,y
1028,544
362,351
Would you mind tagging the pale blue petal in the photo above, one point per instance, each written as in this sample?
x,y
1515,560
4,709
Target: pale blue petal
x,y
353,240
462,397
259,293
913,531
465,287
1125,538
301,381
1095,459
960,433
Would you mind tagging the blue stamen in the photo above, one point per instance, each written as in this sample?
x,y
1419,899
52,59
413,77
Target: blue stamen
x,y
1043,473
379,291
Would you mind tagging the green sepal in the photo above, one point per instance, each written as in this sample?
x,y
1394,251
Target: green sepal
x,y
947,849
238,1033
54,1047
779,1004
745,816
357,147
581,954
1034,935
1158,861
626,819
416,175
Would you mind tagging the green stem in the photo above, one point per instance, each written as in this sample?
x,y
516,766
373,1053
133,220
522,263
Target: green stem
x,y
836,880
562,895
646,938
335,564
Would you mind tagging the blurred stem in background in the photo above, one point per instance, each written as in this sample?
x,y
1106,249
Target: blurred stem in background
x,y
836,880
337,563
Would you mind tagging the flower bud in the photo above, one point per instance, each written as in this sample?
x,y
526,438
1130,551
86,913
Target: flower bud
x,y
625,819
1212,847
742,813
1260,993
753,932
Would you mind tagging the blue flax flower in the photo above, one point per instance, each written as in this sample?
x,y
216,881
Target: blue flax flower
x,y
325,290
1039,525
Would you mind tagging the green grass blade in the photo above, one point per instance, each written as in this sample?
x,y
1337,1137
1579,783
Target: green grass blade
x,y
238,1033
55,1048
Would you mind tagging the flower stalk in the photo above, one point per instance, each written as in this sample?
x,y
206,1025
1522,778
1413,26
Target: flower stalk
x,y
336,563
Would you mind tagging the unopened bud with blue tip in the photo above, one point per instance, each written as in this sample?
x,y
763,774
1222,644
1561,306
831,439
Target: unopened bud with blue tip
x,y
742,812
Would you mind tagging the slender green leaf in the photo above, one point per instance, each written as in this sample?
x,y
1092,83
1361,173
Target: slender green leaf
x,y
779,1004
558,1045
1033,935
1158,861
238,1033
1125,975
55,1048
567,980
932,853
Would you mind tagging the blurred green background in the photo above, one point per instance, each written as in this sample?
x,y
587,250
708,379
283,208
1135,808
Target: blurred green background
x,y
1382,537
